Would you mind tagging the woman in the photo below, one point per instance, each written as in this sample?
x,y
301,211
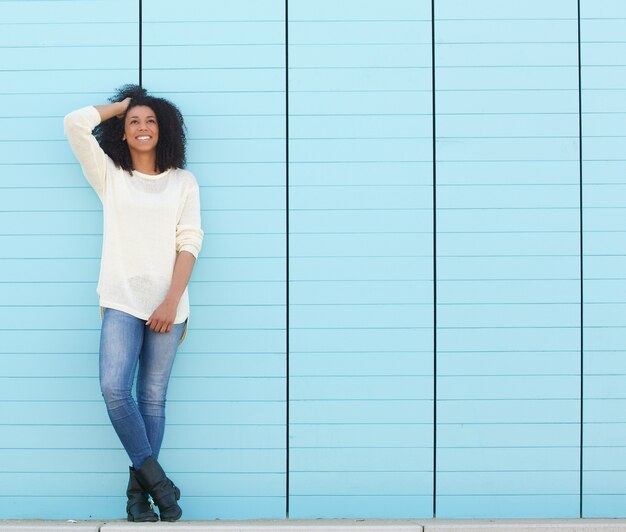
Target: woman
x,y
132,152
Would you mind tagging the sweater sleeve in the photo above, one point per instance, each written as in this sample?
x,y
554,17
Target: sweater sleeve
x,y
78,126
189,232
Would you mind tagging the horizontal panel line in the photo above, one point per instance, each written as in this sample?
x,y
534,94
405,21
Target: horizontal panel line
x,y
360,471
505,279
108,497
500,375
339,352
479,66
504,471
192,401
593,374
211,21
425,495
295,21
241,257
489,43
115,473
23,70
281,44
86,22
173,424
265,305
309,44
358,376
277,233
427,401
513,113
280,68
496,232
195,329
511,327
277,91
395,351
309,185
499,137
589,494
525,255
70,46
282,329
600,423
508,399
239,139
98,258
499,351
520,19
507,303
511,351
348,424
575,422
500,495
305,447
509,160
174,377
548,447
185,352
388,114
234,448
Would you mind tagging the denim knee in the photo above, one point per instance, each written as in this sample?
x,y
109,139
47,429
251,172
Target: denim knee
x,y
151,399
114,394
152,408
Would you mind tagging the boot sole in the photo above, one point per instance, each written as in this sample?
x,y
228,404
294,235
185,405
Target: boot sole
x,y
149,519
171,519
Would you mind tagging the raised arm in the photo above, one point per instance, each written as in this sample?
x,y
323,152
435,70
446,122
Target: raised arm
x,y
110,110
78,127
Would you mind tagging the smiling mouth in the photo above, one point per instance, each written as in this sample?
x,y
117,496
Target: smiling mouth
x,y
143,138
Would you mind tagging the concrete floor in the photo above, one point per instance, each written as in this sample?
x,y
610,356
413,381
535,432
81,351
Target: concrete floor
x,y
327,525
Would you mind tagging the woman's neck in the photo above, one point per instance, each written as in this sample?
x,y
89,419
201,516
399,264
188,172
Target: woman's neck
x,y
144,163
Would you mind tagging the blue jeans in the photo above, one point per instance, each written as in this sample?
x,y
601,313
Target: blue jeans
x,y
125,342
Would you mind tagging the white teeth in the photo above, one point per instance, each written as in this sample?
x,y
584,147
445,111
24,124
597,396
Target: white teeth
x,y
143,138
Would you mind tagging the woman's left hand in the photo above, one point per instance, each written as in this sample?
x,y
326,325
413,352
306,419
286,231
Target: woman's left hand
x,y
163,317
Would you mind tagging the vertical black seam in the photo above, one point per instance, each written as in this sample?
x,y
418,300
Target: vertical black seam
x,y
434,131
140,42
287,465
580,178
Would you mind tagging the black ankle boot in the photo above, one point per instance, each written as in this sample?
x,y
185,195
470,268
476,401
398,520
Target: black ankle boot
x,y
138,507
152,477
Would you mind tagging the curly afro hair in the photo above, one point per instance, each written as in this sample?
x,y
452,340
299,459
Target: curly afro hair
x,y
172,133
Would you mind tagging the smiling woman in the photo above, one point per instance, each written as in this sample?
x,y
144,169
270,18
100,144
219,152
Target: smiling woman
x,y
141,134
152,237
132,106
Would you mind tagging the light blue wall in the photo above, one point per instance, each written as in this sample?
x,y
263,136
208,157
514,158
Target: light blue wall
x,y
223,62
604,168
508,257
360,236
336,366
58,456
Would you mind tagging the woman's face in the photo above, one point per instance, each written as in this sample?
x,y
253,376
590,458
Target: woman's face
x,y
141,130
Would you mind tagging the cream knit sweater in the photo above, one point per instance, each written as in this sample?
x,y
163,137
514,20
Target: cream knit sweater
x,y
148,219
